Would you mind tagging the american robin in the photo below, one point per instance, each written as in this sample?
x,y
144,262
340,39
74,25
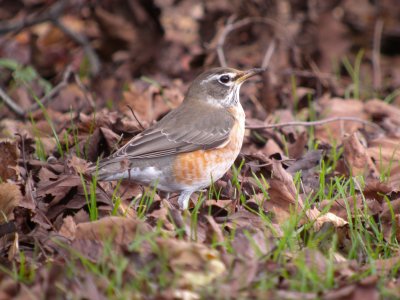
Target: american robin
x,y
193,144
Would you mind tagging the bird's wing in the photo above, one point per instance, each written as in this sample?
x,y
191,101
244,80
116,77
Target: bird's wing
x,y
178,132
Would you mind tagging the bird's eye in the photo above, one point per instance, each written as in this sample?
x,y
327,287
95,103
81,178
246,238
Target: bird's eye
x,y
224,79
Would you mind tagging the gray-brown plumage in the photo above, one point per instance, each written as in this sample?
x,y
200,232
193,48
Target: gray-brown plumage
x,y
203,122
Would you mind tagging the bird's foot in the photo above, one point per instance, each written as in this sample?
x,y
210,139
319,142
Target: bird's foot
x,y
183,199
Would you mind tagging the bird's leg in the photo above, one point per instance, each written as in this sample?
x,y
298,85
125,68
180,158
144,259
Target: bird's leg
x,y
184,198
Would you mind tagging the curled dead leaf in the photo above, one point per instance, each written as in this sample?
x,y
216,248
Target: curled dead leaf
x,y
68,228
336,107
329,218
8,160
197,264
121,230
10,197
357,158
283,192
78,164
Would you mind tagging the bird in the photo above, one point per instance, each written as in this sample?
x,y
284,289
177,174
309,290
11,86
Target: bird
x,y
193,145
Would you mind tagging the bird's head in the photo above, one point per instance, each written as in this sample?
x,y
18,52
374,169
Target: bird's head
x,y
219,86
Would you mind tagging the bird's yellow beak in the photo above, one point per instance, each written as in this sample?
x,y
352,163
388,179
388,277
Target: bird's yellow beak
x,y
249,73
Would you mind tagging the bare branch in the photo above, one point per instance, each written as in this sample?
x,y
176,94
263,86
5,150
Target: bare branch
x,y
49,96
316,123
52,13
376,55
230,27
81,40
137,120
86,93
307,74
268,55
11,103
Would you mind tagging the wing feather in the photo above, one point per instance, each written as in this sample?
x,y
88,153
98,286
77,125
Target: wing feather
x,y
179,131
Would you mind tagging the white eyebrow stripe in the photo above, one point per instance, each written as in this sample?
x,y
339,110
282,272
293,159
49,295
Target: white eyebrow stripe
x,y
212,77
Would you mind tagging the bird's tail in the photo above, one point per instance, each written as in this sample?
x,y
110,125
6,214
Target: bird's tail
x,y
109,169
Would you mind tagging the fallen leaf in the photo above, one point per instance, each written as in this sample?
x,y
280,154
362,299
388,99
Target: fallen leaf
x,y
283,193
357,158
330,218
339,206
379,109
68,228
8,161
197,265
121,230
10,197
336,107
385,152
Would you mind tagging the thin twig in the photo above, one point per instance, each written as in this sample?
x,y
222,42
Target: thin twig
x,y
23,152
268,55
86,93
81,40
376,54
50,95
11,103
317,72
307,74
134,115
234,26
52,13
315,123
20,111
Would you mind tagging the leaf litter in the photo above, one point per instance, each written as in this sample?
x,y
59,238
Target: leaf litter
x,y
307,212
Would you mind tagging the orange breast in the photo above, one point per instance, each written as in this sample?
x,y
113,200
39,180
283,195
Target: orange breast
x,y
198,168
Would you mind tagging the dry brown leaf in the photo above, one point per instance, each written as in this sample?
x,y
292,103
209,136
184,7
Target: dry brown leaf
x,y
297,149
241,218
337,107
196,264
214,233
58,189
271,148
338,207
250,243
121,230
329,218
385,266
376,189
391,226
379,109
289,295
78,164
10,197
68,228
140,102
385,152
394,179
110,137
283,193
8,160
284,198
305,164
357,159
